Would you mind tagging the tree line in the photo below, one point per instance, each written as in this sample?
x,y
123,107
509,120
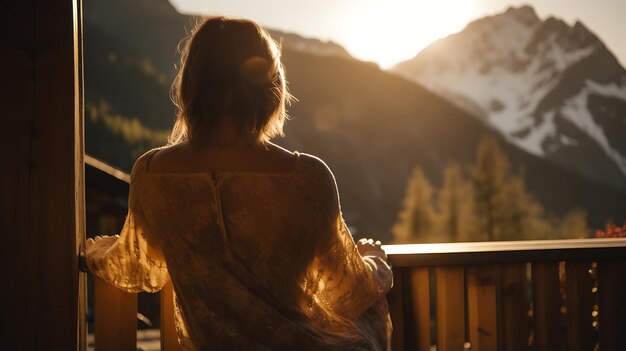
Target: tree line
x,y
481,202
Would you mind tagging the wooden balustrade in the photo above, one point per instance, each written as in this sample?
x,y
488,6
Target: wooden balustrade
x,y
527,295
507,296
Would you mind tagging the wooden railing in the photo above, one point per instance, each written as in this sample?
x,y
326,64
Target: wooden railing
x,y
527,295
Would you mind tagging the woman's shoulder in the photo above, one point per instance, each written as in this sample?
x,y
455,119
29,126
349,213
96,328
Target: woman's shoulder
x,y
315,168
143,161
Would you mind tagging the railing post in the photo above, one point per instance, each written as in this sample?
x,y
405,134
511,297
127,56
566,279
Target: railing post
x,y
513,308
115,318
169,338
579,306
396,309
481,300
612,290
450,308
420,288
546,306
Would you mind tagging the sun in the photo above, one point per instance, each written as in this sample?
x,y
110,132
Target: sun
x,y
387,32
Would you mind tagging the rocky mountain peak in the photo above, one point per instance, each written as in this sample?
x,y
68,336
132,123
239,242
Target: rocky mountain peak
x,y
549,87
525,14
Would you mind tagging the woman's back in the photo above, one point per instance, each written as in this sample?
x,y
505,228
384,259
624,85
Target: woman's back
x,y
259,259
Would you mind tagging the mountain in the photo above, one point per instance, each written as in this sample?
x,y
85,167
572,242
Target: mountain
x,y
370,126
309,45
553,89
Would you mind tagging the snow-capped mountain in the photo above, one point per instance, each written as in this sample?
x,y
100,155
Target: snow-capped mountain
x,y
552,89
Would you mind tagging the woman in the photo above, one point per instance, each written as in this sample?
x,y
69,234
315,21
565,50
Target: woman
x,y
250,233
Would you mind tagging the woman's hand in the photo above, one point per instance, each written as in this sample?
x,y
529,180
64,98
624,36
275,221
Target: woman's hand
x,y
99,242
369,247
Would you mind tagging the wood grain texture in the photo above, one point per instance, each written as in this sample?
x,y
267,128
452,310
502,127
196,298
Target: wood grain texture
x,y
420,289
450,308
115,318
481,303
41,182
396,310
546,306
513,314
612,303
580,301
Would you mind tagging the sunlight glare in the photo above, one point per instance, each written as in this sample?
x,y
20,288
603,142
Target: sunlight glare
x,y
388,32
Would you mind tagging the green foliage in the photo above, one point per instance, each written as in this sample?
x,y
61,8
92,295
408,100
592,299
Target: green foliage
x,y
487,201
117,138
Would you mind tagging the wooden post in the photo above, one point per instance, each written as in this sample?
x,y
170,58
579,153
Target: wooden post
x,y
450,308
396,310
612,290
513,308
481,300
42,178
169,337
115,318
546,306
420,298
580,303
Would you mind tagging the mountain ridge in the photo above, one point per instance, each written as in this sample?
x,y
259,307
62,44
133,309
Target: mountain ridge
x,y
540,83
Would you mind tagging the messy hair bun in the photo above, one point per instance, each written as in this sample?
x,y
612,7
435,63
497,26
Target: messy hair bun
x,y
230,69
257,70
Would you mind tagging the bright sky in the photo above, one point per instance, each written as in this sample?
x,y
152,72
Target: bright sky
x,y
390,31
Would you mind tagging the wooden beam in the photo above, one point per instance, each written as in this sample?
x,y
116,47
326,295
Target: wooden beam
x,y
472,253
42,183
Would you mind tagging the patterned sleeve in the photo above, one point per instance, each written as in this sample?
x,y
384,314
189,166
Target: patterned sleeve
x,y
340,279
134,262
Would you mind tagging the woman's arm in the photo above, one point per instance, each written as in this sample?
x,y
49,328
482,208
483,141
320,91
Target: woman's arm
x,y
341,279
133,261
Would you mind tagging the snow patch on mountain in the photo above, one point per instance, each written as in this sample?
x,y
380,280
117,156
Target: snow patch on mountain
x,y
576,111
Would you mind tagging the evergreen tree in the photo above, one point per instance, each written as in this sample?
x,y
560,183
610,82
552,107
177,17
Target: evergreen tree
x,y
493,205
416,222
453,204
489,177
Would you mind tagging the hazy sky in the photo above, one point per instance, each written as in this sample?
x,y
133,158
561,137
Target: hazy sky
x,y
389,31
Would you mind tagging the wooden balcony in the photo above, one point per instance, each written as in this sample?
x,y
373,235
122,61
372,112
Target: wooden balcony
x,y
525,295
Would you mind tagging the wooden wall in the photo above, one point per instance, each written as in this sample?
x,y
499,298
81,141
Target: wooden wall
x,y
41,219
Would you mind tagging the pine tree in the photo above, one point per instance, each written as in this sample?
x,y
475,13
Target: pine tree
x,y
417,218
489,177
453,204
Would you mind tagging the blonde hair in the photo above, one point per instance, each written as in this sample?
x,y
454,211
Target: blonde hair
x,y
230,69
